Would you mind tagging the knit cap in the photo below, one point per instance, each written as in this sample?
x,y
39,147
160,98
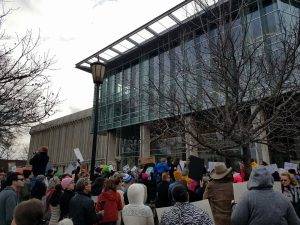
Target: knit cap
x,y
40,178
127,178
66,182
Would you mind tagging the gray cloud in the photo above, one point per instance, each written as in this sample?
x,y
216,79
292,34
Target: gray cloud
x,y
66,39
101,2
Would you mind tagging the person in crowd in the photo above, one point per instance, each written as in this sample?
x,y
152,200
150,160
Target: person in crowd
x,y
136,212
81,208
53,201
178,181
97,186
160,168
2,179
291,190
237,178
9,197
109,201
68,187
39,161
50,174
174,167
219,192
24,193
162,198
253,164
39,189
127,181
117,179
29,212
261,205
185,176
184,212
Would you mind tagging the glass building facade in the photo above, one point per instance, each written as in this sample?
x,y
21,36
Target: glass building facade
x,y
128,96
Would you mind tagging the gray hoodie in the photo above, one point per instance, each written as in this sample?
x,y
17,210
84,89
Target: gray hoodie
x,y
261,205
8,202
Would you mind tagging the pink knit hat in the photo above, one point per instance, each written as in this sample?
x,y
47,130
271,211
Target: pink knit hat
x,y
66,182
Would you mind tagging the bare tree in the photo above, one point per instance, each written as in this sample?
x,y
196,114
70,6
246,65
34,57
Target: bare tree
x,y
25,94
229,81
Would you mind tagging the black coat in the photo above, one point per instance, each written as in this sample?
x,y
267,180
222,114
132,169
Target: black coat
x,y
82,210
162,198
64,203
38,190
39,163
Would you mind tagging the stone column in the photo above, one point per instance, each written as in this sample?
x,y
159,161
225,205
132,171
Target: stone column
x,y
262,150
111,148
144,141
189,140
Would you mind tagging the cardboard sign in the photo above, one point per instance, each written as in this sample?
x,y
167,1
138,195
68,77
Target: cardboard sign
x,y
204,205
196,168
69,169
290,166
272,168
78,154
147,160
240,188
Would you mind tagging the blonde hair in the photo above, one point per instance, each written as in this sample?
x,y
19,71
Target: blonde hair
x,y
291,177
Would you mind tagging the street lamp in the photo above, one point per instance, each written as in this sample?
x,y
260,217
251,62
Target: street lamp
x,y
98,71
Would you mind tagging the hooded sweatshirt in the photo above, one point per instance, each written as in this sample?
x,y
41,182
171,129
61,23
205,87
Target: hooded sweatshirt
x,y
110,202
261,205
136,212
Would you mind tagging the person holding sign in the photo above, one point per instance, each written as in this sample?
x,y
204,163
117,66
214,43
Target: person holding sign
x,y
219,192
261,204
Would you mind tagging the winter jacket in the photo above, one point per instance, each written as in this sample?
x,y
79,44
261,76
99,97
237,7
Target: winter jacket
x,y
110,202
261,205
8,201
136,212
220,194
162,198
64,203
161,167
39,163
82,210
185,213
292,193
39,190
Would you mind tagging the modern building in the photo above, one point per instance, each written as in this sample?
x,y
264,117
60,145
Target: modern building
x,y
143,58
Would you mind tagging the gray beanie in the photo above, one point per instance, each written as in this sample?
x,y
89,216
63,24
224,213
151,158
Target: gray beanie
x,y
81,183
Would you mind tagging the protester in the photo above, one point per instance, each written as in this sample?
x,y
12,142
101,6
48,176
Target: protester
x,y
54,200
184,212
174,167
160,168
136,212
64,202
2,179
9,197
291,190
261,205
39,161
29,213
24,193
97,186
39,189
82,209
162,198
109,201
219,192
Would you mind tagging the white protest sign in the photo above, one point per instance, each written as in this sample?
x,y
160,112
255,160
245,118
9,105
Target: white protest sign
x,y
182,164
211,165
111,168
14,168
78,154
272,168
204,205
126,168
290,166
240,188
133,169
69,169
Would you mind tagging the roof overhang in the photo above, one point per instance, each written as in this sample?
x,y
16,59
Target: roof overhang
x,y
162,24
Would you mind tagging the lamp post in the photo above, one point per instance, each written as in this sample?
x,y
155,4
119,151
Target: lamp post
x,y
98,71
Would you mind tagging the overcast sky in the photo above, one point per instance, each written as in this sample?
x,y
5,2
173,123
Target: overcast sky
x,y
75,29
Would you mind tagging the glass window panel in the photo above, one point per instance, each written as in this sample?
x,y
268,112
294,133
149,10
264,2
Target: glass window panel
x,y
187,11
141,36
123,46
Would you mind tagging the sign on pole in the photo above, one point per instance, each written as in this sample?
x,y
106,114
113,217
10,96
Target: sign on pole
x,y
78,154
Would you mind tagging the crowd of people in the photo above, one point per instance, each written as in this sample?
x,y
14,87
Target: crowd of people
x,y
130,197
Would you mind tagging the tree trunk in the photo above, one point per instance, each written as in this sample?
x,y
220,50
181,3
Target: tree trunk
x,y
247,161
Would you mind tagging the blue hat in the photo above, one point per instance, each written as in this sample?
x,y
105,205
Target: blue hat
x,y
127,178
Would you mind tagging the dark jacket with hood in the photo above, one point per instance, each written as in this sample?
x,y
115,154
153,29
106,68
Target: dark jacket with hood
x,y
64,203
82,210
39,163
261,205
110,202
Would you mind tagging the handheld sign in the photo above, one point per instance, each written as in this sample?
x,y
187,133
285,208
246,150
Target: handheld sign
x,y
196,168
78,154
